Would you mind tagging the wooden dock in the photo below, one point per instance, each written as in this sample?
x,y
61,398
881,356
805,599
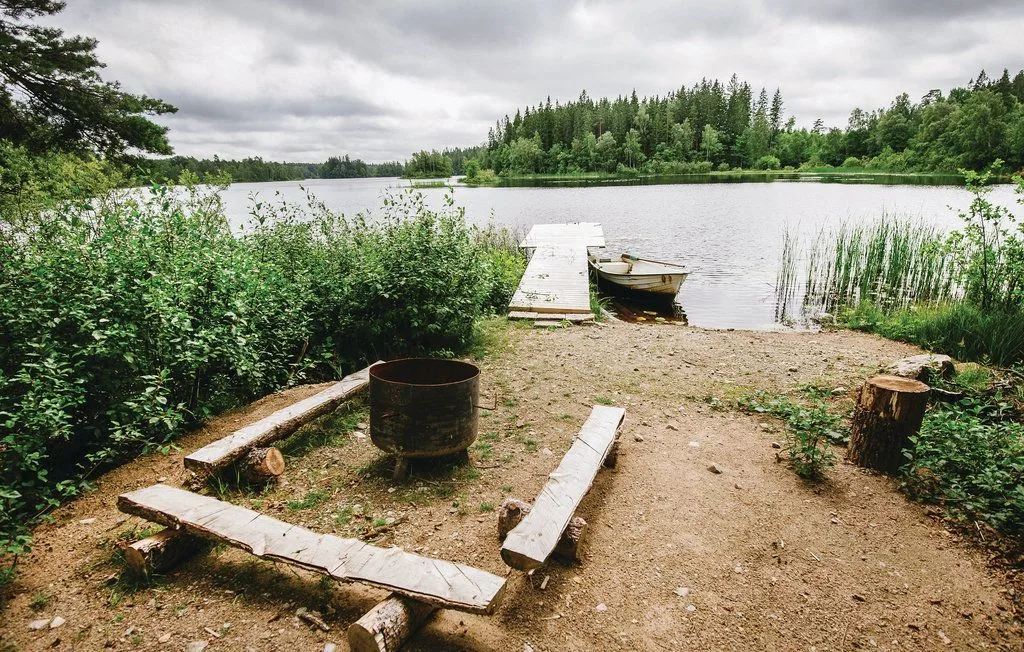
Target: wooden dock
x,y
556,285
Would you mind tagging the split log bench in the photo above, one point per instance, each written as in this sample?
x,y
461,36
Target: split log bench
x,y
434,582
249,444
549,525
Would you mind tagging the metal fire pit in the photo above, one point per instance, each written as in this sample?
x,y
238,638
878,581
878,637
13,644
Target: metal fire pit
x,y
423,407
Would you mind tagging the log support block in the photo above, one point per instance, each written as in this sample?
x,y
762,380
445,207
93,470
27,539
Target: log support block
x,y
612,460
513,510
160,552
889,411
387,626
262,465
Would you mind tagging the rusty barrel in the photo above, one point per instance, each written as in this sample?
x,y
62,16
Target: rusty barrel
x,y
423,407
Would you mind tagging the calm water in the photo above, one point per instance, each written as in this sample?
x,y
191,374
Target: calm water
x,y
729,234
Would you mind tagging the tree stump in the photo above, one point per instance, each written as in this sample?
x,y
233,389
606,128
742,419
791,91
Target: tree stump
x,y
159,552
388,625
262,465
889,410
512,511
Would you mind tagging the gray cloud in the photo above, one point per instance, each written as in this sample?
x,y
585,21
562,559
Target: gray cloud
x,y
311,78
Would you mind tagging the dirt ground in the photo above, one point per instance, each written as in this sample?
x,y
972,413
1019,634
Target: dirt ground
x,y
676,556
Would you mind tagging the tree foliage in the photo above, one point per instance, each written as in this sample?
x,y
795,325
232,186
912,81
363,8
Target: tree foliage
x,y
727,126
53,98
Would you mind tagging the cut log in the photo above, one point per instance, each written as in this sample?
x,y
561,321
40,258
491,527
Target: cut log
x,y
160,552
212,458
262,465
531,542
438,582
612,459
889,410
923,367
511,513
387,626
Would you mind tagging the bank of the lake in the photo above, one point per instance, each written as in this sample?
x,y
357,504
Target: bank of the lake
x,y
819,174
729,234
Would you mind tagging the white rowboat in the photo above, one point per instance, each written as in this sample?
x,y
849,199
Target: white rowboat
x,y
631,274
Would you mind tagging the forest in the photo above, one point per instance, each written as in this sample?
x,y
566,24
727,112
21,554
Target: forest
x,y
254,168
716,126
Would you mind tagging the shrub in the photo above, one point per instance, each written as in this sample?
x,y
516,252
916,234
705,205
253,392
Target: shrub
x,y
768,162
969,456
809,430
852,162
128,321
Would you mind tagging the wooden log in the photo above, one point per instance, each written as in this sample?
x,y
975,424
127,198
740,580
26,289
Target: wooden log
x,y
262,465
387,626
612,459
512,511
438,582
160,552
889,410
210,459
531,542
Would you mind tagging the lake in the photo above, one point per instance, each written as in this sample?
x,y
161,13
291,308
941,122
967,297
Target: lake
x,y
729,234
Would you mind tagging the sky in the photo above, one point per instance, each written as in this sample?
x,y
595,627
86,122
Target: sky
x,y
301,80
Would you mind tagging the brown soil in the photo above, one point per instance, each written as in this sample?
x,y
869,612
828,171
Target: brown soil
x,y
769,561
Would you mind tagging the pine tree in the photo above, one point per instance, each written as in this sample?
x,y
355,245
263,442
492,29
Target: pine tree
x,y
53,98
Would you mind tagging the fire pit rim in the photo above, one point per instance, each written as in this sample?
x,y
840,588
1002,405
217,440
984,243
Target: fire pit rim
x,y
375,371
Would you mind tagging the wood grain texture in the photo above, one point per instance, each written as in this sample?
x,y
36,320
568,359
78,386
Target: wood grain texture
x,y
387,626
223,452
556,279
440,583
531,542
160,552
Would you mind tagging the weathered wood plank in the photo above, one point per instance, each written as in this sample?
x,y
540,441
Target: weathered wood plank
x,y
531,542
280,424
556,279
434,581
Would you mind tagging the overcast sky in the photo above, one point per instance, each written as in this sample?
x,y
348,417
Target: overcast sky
x,y
301,80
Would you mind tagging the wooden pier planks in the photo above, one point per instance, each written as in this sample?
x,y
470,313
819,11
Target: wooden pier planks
x,y
434,581
531,542
556,280
280,424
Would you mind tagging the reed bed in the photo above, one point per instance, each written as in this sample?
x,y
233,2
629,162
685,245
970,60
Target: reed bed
x,y
892,262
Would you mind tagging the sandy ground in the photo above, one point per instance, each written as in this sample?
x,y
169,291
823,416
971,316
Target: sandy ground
x,y
762,559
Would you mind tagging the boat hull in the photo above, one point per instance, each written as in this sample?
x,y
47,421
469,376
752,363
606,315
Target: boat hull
x,y
663,286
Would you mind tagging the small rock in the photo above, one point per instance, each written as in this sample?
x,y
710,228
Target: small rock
x,y
738,569
163,639
776,444
839,390
943,637
87,521
391,490
858,597
197,646
601,608
546,451
57,622
645,423
527,647
359,435
672,426
682,591
637,438
152,603
715,468
737,486
834,521
36,625
330,647
691,608
694,444
162,478
361,426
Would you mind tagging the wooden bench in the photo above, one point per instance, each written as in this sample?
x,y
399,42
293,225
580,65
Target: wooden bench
x,y
218,455
529,544
433,581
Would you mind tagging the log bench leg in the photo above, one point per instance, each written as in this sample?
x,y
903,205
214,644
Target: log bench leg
x,y
612,459
160,552
401,472
262,465
512,511
387,626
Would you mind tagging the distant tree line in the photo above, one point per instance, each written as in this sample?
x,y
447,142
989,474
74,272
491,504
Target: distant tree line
x,y
719,126
255,169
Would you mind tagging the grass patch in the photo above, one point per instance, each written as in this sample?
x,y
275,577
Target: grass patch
x,y
486,507
603,400
309,501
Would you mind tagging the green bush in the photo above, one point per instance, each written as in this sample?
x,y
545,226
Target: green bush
x,y
768,162
810,428
128,321
852,162
969,456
